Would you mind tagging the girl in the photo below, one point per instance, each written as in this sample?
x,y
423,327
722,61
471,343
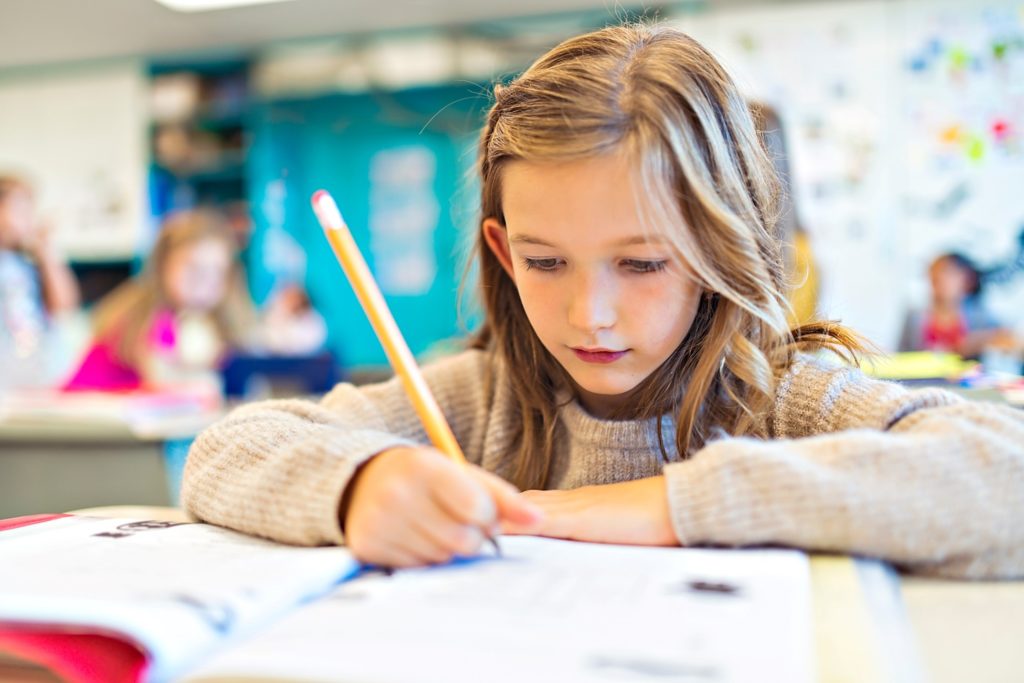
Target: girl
x,y
635,373
170,325
957,320
35,283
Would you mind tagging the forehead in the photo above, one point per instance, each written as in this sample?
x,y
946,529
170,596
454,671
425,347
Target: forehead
x,y
594,200
946,265
15,193
204,250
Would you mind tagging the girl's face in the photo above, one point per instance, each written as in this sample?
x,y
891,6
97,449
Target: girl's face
x,y
607,299
950,282
196,275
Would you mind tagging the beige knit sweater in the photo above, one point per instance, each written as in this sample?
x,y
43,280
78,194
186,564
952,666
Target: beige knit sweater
x,y
921,478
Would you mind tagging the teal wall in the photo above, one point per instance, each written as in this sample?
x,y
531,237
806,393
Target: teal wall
x,y
330,142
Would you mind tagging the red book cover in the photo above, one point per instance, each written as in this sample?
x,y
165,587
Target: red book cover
x,y
73,656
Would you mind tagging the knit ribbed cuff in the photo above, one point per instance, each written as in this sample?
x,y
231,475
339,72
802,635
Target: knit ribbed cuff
x,y
710,502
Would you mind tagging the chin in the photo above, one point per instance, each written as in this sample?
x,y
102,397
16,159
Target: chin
x,y
603,386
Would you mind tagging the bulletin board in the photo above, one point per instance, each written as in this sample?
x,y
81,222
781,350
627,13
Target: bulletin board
x,y
904,121
397,164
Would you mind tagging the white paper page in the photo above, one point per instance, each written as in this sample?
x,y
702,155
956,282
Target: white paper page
x,y
179,590
550,610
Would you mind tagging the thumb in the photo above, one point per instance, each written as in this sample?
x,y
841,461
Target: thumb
x,y
512,506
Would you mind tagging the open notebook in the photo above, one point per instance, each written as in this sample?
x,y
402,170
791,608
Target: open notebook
x,y
111,600
198,603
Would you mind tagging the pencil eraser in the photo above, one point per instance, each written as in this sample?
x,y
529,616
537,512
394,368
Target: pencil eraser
x,y
326,210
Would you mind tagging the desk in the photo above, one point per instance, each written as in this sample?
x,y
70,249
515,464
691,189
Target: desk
x,y
967,631
962,631
52,465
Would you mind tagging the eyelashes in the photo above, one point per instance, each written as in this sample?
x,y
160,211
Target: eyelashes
x,y
639,266
542,264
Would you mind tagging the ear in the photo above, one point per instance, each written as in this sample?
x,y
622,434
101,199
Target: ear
x,y
496,237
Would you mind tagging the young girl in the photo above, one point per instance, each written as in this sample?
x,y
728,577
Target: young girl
x,y
635,373
35,283
956,320
169,326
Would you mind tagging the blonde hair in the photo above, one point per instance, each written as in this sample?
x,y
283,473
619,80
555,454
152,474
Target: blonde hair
x,y
125,316
658,95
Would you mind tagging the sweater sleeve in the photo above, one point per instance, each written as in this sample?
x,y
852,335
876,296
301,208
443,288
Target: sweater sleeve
x,y
278,469
923,479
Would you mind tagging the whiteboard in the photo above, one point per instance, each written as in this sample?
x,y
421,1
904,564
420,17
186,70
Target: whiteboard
x,y
79,134
889,108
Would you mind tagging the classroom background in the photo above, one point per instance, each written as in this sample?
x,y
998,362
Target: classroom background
x,y
133,127
904,121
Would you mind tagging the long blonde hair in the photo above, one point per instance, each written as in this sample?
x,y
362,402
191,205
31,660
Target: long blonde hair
x,y
657,94
125,316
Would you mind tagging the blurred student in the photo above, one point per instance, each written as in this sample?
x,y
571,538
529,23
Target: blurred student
x,y
291,325
956,319
35,283
170,326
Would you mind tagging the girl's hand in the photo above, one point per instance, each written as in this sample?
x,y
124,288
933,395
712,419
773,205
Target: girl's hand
x,y
633,512
38,243
414,506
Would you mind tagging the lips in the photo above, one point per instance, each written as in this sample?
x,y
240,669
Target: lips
x,y
600,356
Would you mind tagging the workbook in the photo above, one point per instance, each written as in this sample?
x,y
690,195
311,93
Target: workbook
x,y
111,600
201,604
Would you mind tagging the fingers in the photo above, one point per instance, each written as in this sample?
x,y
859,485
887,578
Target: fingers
x,y
559,512
513,507
462,496
447,536
483,499
412,506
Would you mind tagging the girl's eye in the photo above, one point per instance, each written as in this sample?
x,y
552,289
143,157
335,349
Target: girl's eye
x,y
541,263
638,266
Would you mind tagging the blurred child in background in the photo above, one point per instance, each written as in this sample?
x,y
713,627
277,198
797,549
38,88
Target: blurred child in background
x,y
35,283
170,326
956,320
291,325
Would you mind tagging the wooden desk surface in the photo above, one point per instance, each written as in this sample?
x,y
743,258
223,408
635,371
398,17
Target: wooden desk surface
x,y
967,631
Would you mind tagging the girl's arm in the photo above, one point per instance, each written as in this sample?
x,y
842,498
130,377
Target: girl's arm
x,y
940,492
278,468
58,283
921,478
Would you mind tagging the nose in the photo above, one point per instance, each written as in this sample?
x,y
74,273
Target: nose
x,y
592,301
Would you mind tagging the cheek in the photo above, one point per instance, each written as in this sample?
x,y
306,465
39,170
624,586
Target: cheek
x,y
666,313
176,286
539,301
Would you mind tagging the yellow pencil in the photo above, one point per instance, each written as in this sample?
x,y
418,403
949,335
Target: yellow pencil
x,y
384,325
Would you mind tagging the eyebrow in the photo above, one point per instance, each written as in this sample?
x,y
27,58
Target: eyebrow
x,y
628,241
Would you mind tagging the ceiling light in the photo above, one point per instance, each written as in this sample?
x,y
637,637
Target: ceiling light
x,y
205,5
